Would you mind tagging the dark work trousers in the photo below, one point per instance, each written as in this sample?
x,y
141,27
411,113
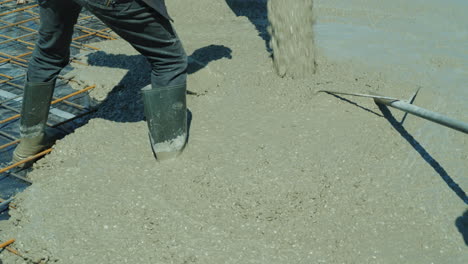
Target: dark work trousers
x,y
145,29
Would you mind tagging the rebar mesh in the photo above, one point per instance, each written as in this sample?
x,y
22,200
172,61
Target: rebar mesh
x,y
18,34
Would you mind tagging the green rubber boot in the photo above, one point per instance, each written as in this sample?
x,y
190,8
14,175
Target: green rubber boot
x,y
31,146
34,115
166,115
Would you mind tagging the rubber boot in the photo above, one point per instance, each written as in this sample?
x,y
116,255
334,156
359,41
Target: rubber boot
x,y
34,115
166,115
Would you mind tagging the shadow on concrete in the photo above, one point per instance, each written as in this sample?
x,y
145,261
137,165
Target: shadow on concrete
x,y
257,13
203,56
462,224
424,154
124,102
355,104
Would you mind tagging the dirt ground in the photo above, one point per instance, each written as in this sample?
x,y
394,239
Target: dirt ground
x,y
274,172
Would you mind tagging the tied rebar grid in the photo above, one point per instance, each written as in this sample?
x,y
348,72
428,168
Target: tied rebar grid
x,y
18,35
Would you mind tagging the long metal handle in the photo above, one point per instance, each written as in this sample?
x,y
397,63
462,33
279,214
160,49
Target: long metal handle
x,y
412,109
426,114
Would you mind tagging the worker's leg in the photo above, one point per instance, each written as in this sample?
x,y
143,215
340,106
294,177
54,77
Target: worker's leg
x,y
154,37
50,55
52,51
